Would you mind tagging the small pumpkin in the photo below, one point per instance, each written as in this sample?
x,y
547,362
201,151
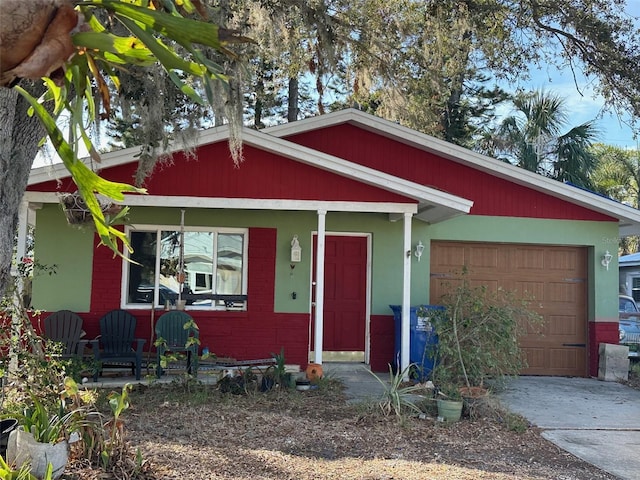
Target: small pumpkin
x,y
314,371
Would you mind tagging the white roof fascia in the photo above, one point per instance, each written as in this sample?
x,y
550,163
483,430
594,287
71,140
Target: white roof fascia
x,y
243,203
629,217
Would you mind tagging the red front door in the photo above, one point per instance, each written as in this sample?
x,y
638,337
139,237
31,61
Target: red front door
x,y
345,293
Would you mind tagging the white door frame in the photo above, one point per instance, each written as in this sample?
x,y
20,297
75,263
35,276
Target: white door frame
x,y
319,284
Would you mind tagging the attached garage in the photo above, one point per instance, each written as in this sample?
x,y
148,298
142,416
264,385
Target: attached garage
x,y
553,277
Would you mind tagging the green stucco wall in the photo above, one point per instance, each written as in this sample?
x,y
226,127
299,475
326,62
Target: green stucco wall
x,y
71,250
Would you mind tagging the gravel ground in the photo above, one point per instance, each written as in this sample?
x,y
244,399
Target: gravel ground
x,y
203,434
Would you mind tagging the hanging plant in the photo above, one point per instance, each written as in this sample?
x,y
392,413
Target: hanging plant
x,y
78,213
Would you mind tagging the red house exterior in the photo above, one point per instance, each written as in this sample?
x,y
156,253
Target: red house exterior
x,y
358,193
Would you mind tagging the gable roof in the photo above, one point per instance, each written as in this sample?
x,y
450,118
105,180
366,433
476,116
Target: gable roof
x,y
433,205
628,217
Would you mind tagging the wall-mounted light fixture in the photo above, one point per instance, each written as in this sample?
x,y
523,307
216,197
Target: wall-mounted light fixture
x,y
296,250
606,259
419,250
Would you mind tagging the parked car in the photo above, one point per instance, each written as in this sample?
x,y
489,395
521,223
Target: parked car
x,y
144,294
629,326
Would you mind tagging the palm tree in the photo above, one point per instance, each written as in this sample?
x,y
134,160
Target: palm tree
x,y
532,138
617,175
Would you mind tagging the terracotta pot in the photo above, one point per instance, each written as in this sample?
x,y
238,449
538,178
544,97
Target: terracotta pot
x,y
314,371
473,392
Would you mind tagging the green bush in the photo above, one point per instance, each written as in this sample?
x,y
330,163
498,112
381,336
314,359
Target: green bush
x,y
478,335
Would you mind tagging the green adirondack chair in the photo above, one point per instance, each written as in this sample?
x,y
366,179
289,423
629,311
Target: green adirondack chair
x,y
65,327
172,336
115,344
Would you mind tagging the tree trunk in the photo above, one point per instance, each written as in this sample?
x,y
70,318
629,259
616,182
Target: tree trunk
x,y
292,114
19,137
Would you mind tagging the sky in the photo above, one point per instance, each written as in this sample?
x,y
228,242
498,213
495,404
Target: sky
x,y
584,106
581,104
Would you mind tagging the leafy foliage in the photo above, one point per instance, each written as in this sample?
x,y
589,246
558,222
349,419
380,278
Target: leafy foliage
x,y
478,335
98,51
534,139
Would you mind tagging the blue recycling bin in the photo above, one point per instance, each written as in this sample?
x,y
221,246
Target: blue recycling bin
x,y
422,338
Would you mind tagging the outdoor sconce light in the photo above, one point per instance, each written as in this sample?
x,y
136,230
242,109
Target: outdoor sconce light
x,y
296,250
419,250
606,259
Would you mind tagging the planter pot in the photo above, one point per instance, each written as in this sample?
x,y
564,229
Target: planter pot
x,y
474,399
314,371
22,448
449,410
7,426
303,385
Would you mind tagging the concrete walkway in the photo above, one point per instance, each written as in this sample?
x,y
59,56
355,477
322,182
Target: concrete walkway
x,y
596,421
361,385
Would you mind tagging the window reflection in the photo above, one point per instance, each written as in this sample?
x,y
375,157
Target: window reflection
x,y
229,264
201,284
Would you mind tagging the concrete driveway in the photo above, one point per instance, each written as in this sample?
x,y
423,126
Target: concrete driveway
x,y
596,421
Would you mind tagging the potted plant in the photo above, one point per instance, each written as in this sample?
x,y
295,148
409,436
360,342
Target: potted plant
x,y
478,338
277,375
41,439
450,403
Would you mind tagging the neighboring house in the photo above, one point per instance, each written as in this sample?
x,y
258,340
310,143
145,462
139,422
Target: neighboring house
x,y
359,193
629,271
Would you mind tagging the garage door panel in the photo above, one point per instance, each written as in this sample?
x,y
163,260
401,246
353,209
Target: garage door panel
x,y
451,256
531,292
483,257
567,357
561,292
566,260
529,259
551,278
534,357
564,326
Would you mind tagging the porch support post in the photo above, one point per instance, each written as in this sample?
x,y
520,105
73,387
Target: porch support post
x,y
16,319
406,296
319,323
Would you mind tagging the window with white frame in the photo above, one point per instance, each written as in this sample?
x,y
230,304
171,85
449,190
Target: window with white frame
x,y
635,288
213,261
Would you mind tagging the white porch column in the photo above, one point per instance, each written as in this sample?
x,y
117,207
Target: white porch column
x,y
406,295
319,323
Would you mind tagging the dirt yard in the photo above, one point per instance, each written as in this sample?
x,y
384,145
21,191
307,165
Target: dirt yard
x,y
203,434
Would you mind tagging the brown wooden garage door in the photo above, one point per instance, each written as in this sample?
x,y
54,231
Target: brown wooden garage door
x,y
554,276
